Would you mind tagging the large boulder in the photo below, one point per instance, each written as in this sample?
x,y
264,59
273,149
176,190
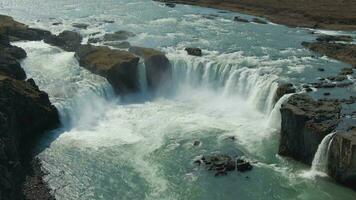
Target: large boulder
x,y
120,68
19,31
67,40
193,51
342,158
305,122
283,89
11,67
25,113
158,68
7,49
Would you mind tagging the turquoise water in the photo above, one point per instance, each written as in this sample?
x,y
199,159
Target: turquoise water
x,y
109,149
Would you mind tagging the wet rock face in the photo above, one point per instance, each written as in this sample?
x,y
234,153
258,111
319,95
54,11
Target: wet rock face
x,y
342,158
221,164
305,122
239,19
283,89
25,112
259,21
193,51
11,67
67,40
334,38
158,68
7,49
120,68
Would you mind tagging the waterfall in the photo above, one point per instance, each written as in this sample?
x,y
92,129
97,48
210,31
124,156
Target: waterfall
x,y
320,161
228,75
275,118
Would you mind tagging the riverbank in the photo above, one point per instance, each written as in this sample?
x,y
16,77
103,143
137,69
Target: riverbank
x,y
321,14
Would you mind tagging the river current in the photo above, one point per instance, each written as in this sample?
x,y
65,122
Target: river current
x,y
111,149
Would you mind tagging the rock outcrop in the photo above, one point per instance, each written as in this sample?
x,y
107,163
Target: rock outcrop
x,y
334,38
339,51
25,112
18,31
120,68
342,158
193,51
305,122
158,68
283,89
118,35
67,40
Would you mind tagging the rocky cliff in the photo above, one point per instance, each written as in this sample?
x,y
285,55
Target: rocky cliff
x,y
305,122
342,158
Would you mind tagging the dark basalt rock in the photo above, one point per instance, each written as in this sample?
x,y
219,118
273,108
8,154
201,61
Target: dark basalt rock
x,y
171,5
7,49
194,51
94,40
259,21
334,38
337,78
118,35
67,40
283,89
342,158
25,113
239,19
158,68
346,71
80,25
9,66
120,68
343,52
305,122
221,164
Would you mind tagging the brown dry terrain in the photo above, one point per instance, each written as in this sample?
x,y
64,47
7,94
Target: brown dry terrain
x,y
325,14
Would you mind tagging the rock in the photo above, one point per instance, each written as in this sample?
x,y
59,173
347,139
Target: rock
x,y
57,23
327,94
194,51
337,78
158,68
343,52
342,158
346,71
9,66
243,166
67,40
321,69
25,113
94,40
283,89
171,5
333,38
80,25
109,21
196,143
222,164
118,35
239,19
305,122
7,49
120,45
259,21
120,68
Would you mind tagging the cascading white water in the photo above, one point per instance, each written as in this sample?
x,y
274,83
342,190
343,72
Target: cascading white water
x,y
275,118
229,75
320,160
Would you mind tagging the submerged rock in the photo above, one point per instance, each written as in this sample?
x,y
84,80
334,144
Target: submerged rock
x,y
120,68
67,40
118,35
259,21
80,25
158,68
221,164
171,5
305,122
239,19
342,158
193,51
